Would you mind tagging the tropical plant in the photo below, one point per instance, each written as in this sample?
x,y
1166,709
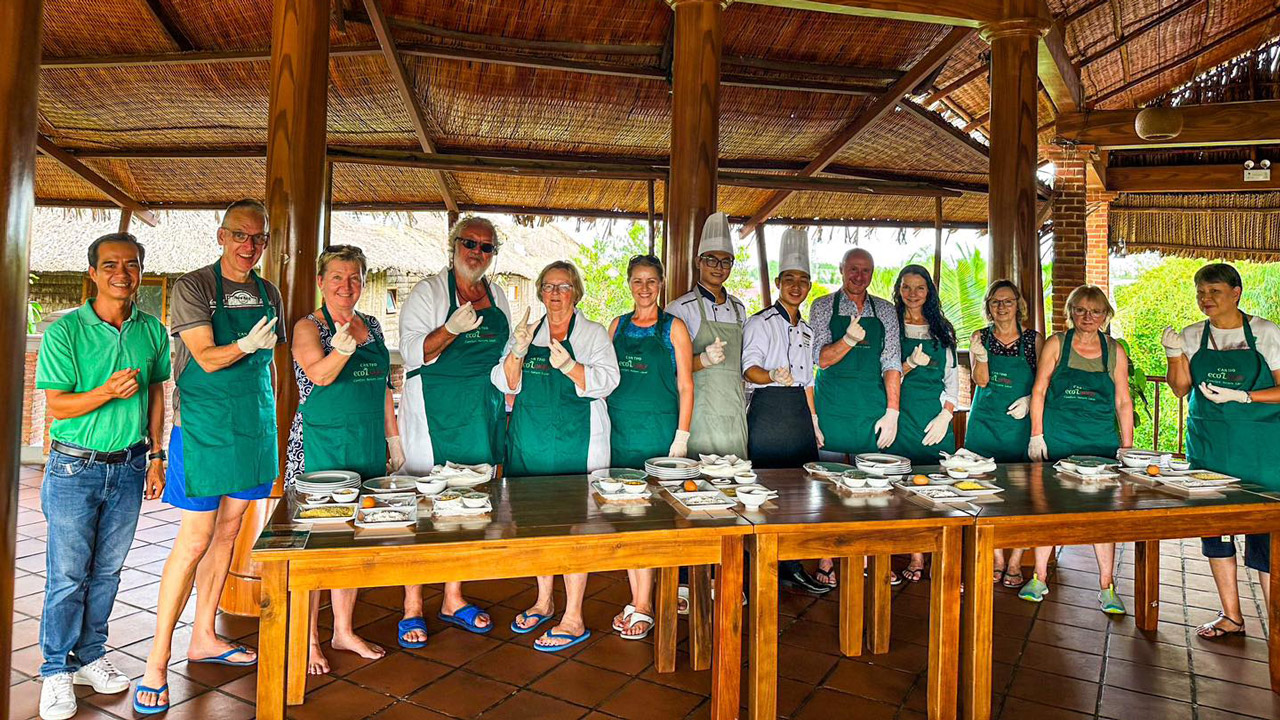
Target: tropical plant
x,y
35,311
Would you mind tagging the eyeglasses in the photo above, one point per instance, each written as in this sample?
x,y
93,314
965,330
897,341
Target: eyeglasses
x,y
711,262
260,239
1003,303
486,248
550,289
1085,312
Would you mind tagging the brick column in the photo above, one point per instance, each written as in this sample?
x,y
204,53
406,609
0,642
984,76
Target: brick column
x,y
1097,249
1080,217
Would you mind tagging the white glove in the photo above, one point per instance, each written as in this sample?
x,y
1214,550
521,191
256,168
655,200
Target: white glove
x,y
1019,408
854,333
978,352
342,341
1036,449
1172,341
713,354
782,376
886,429
523,335
261,337
937,427
1220,395
395,449
680,446
560,358
817,431
463,320
919,358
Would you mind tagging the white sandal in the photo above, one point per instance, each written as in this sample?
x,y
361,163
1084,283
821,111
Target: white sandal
x,y
636,617
626,618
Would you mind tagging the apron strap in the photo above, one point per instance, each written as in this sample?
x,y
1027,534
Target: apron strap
x,y
1066,350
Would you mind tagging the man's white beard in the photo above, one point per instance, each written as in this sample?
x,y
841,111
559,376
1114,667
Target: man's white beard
x,y
467,273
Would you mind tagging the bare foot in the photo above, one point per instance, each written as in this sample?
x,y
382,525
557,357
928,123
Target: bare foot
x,y
449,608
638,626
317,663
153,679
525,620
574,629
358,645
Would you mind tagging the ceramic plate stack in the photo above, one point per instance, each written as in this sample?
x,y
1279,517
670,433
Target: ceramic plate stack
x,y
325,482
667,469
883,464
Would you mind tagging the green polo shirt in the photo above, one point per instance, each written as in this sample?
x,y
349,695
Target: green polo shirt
x,y
80,351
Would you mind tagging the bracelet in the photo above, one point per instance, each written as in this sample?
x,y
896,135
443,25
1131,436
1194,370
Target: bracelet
x,y
158,455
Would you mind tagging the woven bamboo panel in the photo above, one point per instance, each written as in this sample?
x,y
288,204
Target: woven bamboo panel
x,y
94,27
902,141
372,184
568,193
777,124
364,107
967,208
964,59
1231,225
596,21
54,182
781,34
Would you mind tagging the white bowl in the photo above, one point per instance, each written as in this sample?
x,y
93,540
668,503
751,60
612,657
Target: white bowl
x,y
475,499
1093,469
1179,465
752,499
635,487
609,486
430,486
958,473
877,481
315,498
744,478
449,499
345,495
853,480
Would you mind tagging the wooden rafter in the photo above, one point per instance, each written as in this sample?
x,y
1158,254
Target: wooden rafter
x,y
1059,76
404,86
967,13
171,28
945,91
1186,178
108,188
1253,122
883,105
949,132
1152,23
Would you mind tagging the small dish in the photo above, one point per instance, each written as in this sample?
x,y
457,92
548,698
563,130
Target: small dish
x,y
320,498
345,495
610,486
958,473
448,499
854,478
1179,465
475,499
635,487
877,481
752,499
744,478
431,486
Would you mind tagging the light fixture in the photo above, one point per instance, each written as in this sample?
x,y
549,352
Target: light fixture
x,y
1158,123
1265,164
1248,164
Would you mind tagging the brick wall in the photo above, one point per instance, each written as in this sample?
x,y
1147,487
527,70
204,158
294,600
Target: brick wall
x,y
1080,217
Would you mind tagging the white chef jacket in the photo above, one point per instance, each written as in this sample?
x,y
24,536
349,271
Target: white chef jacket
x,y
426,310
770,341
593,350
685,307
950,374
1266,336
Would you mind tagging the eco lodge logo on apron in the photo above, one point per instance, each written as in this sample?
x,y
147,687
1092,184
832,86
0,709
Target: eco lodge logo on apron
x,y
634,362
1224,376
368,371
1000,378
1079,392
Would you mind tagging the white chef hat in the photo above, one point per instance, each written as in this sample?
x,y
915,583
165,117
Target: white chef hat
x,y
715,235
795,251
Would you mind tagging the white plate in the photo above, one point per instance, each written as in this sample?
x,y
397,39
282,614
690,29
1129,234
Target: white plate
x,y
1069,469
327,477
934,493
988,488
325,520
711,499
620,494
410,517
391,484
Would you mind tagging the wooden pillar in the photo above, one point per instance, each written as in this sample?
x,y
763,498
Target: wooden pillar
x,y
296,183
1015,249
126,218
19,82
652,238
695,134
327,213
452,219
762,259
937,241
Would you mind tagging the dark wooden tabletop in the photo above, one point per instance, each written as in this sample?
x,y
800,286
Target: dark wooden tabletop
x,y
804,499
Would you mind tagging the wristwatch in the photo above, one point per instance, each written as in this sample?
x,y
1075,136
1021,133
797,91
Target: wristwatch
x,y
158,455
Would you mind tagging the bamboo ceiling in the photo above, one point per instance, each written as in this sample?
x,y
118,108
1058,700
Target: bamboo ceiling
x,y
485,74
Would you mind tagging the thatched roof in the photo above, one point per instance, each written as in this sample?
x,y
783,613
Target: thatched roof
x,y
1212,225
184,241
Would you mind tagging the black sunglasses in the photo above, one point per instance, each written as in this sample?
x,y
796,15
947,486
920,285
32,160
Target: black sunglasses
x,y
487,248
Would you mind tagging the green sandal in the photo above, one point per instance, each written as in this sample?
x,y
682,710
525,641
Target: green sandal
x,y
1034,591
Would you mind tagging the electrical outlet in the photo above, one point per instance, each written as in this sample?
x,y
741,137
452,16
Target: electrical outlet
x,y
1257,175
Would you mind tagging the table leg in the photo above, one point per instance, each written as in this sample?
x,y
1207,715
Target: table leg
x,y
700,617
298,647
1273,615
1146,584
975,631
880,598
664,649
726,665
852,596
762,698
944,625
272,639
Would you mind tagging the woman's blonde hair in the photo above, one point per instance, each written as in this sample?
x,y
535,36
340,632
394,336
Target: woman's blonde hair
x,y
341,253
575,278
1088,293
1003,284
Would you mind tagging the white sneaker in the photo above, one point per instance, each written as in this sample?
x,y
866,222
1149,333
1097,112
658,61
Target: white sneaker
x,y
57,697
103,676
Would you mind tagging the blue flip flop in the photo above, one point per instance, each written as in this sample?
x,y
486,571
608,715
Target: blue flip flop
x,y
465,618
222,659
408,625
149,709
576,640
542,620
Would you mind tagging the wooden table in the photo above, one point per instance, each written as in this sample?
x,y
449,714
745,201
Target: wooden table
x,y
1039,507
539,526
809,519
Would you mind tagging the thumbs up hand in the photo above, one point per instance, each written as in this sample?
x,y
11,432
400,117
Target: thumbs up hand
x,y
714,354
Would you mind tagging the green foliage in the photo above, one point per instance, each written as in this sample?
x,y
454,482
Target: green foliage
x,y
35,311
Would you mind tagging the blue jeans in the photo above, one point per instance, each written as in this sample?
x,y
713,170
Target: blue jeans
x,y
92,511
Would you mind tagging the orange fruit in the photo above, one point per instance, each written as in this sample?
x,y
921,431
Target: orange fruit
x,y
690,485
920,479
368,502
1153,470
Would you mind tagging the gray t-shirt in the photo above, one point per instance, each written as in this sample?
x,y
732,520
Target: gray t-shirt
x,y
193,300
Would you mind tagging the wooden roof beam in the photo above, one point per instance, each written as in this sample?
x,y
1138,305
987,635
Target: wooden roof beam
x,y
1060,78
1254,122
966,13
171,28
404,86
108,188
949,132
1186,178
945,91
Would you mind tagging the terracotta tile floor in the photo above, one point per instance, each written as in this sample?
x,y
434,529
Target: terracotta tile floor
x,y
1061,659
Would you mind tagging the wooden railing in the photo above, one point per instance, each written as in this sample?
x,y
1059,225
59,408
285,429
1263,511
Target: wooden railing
x,y
1156,381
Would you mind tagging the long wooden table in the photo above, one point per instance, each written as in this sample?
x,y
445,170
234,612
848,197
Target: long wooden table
x,y
539,526
1041,507
811,519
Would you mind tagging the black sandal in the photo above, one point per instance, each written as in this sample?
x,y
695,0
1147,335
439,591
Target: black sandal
x,y
826,577
1009,581
1212,631
913,575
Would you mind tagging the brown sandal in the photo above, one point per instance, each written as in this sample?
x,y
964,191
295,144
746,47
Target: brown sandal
x,y
1213,631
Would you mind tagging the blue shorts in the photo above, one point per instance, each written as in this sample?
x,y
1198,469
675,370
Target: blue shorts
x,y
1257,550
175,489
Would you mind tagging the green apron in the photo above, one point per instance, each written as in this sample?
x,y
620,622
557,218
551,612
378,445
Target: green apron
x,y
644,410
1234,438
229,416
1080,408
991,432
921,401
466,414
719,423
344,422
849,396
550,430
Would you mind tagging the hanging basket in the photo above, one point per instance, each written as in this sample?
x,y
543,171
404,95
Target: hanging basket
x,y
1158,123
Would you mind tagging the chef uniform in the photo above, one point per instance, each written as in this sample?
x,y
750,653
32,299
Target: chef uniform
x,y
449,410
556,427
719,423
779,423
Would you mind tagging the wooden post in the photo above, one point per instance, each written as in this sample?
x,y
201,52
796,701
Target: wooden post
x,y
695,134
126,216
451,218
1012,197
762,259
937,242
295,203
19,82
328,204
652,182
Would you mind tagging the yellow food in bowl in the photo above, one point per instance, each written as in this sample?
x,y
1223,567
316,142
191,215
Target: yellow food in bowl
x,y
967,485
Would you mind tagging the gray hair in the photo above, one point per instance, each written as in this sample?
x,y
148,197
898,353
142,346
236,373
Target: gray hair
x,y
575,278
254,206
455,232
341,253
